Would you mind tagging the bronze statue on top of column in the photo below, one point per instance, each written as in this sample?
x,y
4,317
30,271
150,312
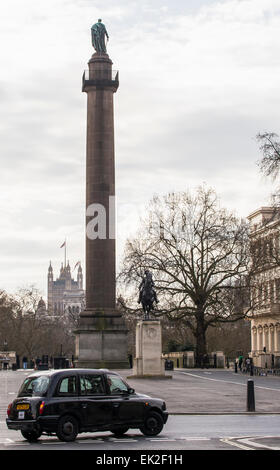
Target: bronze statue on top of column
x,y
98,34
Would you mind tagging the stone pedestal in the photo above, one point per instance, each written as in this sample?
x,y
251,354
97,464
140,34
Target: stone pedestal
x,y
217,360
148,361
263,360
101,341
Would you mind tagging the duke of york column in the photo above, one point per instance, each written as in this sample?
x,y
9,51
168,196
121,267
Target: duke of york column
x,y
101,337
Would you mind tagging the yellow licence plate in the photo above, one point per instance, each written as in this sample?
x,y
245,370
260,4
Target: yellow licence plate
x,y
22,407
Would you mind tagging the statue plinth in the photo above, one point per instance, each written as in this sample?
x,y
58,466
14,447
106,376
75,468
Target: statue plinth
x,y
148,362
101,340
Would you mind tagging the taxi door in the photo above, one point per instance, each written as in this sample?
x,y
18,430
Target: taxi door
x,y
126,407
95,404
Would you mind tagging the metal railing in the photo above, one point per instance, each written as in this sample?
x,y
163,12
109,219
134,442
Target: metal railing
x,y
100,79
101,75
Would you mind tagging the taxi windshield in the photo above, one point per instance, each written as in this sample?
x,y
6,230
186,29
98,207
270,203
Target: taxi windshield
x,y
34,387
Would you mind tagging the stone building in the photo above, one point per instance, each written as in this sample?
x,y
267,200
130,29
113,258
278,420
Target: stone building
x,y
65,295
265,296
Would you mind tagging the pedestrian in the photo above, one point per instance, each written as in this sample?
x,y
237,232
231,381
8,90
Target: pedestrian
x,y
240,361
247,364
24,362
38,363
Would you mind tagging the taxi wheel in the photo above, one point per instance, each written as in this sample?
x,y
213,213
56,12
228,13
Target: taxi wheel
x,y
31,436
67,428
153,424
118,432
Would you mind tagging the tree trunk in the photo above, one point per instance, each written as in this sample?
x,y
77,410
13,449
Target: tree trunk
x,y
200,335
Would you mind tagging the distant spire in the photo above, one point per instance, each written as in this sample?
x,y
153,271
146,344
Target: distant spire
x,y
78,264
68,269
50,274
80,277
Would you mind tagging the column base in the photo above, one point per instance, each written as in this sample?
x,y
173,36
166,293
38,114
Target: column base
x,y
101,340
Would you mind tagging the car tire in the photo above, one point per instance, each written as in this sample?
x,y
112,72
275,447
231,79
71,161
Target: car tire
x,y
31,436
153,424
67,428
118,432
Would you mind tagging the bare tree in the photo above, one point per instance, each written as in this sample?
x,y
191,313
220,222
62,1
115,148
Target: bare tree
x,y
8,312
270,147
30,332
198,253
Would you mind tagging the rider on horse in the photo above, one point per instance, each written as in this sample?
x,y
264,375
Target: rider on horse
x,y
147,294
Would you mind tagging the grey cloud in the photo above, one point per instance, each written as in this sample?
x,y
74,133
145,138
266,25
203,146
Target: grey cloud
x,y
207,141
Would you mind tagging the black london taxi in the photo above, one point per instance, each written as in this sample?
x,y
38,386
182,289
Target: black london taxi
x,y
72,401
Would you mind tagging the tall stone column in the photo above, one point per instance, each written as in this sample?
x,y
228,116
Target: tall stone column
x,y
101,334
265,337
254,339
259,338
100,185
276,337
271,339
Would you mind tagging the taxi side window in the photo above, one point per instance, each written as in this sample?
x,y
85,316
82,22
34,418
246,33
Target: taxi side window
x,y
67,386
91,385
116,384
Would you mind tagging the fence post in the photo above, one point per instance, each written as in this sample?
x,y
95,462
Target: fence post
x,y
250,395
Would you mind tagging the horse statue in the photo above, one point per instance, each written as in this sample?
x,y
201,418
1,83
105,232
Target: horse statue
x,y
147,294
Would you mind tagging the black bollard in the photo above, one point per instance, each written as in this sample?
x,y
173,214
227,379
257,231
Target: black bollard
x,y
250,395
235,367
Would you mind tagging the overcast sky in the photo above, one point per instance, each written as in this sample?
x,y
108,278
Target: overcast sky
x,y
198,80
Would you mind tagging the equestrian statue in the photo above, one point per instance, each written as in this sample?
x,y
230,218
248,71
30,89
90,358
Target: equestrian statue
x,y
147,294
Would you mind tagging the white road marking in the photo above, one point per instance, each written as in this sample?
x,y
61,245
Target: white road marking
x,y
52,443
244,443
91,441
248,441
196,438
14,443
122,440
161,440
229,381
236,444
8,442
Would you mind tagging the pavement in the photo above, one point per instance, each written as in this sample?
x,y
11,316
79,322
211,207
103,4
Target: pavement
x,y
210,391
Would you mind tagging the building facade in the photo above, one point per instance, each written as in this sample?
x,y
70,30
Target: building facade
x,y
65,295
265,294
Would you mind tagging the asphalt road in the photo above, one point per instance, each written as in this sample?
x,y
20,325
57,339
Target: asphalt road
x,y
208,412
185,432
